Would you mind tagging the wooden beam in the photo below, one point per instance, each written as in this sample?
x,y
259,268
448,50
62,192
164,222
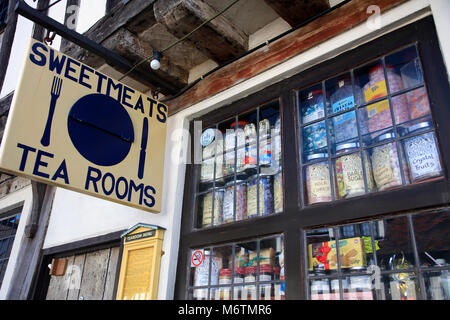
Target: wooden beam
x,y
297,11
219,40
316,32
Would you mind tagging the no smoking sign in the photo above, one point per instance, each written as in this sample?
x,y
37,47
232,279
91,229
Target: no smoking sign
x,y
197,258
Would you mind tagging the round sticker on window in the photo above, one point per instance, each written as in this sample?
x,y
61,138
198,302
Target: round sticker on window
x,y
207,137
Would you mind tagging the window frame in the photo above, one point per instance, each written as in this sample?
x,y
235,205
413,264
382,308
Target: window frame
x,y
295,218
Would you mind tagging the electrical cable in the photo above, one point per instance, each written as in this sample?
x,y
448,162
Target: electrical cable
x,y
180,40
50,5
296,27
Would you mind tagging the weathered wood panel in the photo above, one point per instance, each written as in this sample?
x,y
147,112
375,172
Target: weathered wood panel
x,y
75,277
108,294
59,285
94,275
316,32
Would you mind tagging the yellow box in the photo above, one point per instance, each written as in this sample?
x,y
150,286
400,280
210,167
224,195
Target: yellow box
x,y
351,251
266,256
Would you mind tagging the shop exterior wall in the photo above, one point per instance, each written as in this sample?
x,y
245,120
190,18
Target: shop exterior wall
x,y
22,197
391,20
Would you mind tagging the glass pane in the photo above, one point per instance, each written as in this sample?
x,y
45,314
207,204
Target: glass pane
x,y
269,138
394,250
317,181
406,65
401,286
234,135
385,162
343,128
312,104
200,266
422,155
418,103
375,120
314,139
349,171
438,285
340,94
370,78
205,203
360,288
223,255
321,254
320,289
433,243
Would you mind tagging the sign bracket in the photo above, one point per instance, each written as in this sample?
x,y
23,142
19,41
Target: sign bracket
x,y
110,57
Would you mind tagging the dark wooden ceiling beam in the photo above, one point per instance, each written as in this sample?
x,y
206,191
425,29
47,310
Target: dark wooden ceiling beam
x,y
298,11
219,40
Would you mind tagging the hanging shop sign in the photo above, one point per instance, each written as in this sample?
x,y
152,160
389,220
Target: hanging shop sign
x,y
74,127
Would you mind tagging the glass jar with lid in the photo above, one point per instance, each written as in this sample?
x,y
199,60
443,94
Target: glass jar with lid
x,y
422,153
317,178
349,170
386,164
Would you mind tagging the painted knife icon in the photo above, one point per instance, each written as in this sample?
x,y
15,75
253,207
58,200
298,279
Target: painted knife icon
x,y
55,92
143,149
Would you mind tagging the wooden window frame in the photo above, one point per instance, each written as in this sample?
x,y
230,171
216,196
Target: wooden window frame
x,y
295,219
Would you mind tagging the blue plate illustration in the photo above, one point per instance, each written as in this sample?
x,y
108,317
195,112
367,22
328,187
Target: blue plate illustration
x,y
100,129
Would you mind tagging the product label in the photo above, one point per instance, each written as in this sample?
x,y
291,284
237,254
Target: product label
x,y
381,163
376,91
352,174
251,200
378,107
423,156
313,112
278,193
343,104
319,181
228,204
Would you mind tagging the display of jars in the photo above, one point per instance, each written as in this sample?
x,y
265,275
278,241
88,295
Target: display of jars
x,y
349,171
422,153
317,178
386,164
234,137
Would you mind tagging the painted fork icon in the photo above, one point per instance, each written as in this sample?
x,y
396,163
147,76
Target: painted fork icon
x,y
55,92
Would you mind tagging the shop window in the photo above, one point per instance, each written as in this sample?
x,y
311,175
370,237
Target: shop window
x,y
403,258
250,270
240,175
8,229
369,129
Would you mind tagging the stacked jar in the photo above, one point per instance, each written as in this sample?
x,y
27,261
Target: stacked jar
x,y
212,153
228,201
234,137
317,178
217,195
379,114
349,171
422,153
386,164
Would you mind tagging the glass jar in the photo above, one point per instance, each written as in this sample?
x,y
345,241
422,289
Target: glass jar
x,y
228,201
265,147
360,288
349,171
265,194
422,154
251,152
238,279
317,178
265,274
206,208
320,290
276,143
230,154
249,291
386,164
314,137
313,107
278,192
224,293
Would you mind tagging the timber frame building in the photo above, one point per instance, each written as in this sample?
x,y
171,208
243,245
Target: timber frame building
x,y
292,126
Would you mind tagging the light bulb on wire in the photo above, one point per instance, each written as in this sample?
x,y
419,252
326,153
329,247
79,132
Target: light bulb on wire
x,y
155,63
